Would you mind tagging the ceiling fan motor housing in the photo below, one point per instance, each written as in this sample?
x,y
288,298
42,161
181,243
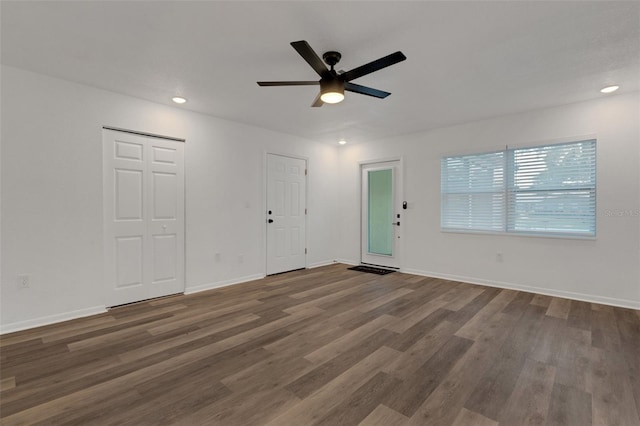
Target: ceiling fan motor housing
x,y
331,85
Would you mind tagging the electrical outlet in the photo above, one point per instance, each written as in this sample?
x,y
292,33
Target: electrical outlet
x,y
24,281
499,257
217,257
241,258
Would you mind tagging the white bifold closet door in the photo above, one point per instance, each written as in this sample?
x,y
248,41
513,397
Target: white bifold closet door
x,y
143,180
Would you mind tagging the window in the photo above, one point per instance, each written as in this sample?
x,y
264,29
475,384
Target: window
x,y
549,190
473,196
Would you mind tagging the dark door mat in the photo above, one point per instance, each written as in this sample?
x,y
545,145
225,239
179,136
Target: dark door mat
x,y
371,270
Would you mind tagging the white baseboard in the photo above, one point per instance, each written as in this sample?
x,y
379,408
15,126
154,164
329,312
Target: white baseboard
x,y
211,286
583,297
350,262
51,319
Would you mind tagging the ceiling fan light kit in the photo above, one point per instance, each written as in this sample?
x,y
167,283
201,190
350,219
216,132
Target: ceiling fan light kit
x,y
332,84
331,91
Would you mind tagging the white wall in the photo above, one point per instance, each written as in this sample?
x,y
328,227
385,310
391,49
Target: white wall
x,y
52,194
51,210
605,270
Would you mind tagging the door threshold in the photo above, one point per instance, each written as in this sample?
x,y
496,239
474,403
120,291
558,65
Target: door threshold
x,y
285,272
389,268
144,301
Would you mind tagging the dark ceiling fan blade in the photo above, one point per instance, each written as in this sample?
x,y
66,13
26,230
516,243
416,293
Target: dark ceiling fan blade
x,y
288,83
376,65
364,90
317,101
303,48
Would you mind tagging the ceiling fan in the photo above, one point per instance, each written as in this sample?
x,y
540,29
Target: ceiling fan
x,y
333,83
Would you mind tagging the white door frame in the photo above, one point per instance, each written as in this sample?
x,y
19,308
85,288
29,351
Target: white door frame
x,y
400,183
106,244
264,202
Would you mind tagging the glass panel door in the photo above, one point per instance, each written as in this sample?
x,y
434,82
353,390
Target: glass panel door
x,y
381,211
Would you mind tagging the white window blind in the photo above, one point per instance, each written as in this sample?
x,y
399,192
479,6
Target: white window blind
x,y
472,188
548,190
552,189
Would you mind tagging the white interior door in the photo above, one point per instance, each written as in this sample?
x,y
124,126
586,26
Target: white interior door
x,y
143,216
381,214
286,210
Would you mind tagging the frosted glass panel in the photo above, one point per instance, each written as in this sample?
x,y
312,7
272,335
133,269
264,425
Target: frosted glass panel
x,y
380,211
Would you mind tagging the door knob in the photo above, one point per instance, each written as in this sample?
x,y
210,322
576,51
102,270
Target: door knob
x,y
270,221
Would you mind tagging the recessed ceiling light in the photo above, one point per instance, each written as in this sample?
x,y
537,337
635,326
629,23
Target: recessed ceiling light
x,y
179,99
342,142
610,89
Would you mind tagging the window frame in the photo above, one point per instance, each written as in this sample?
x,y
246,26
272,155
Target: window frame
x,y
507,190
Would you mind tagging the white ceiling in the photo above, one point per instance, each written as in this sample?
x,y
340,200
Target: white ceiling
x,y
466,60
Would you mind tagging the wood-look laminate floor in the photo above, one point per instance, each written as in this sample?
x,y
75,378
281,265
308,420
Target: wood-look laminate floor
x,y
333,347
